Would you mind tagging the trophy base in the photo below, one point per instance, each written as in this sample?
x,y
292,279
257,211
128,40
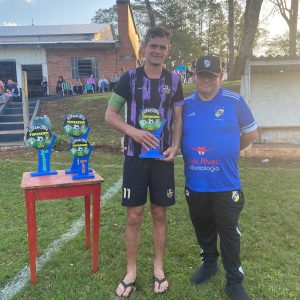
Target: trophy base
x,y
151,155
70,171
35,174
83,176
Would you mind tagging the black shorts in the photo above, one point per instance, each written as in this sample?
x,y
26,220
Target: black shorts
x,y
141,173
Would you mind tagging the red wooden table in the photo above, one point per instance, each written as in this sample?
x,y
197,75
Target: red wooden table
x,y
61,186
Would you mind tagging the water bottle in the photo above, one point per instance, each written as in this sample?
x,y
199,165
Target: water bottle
x,y
265,161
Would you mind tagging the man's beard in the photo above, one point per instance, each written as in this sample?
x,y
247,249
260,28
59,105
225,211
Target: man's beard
x,y
156,64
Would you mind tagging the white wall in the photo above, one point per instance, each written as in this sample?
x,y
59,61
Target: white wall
x,y
279,135
25,56
275,98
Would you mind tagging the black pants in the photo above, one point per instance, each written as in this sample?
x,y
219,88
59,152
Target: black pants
x,y
217,213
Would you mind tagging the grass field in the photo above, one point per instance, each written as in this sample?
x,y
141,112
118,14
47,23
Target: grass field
x,y
269,226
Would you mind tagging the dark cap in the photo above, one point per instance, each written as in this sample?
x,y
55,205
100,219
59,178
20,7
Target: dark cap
x,y
208,63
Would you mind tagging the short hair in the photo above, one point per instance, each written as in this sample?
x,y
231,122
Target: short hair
x,y
157,31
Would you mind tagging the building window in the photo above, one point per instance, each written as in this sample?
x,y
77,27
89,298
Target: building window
x,y
83,67
8,71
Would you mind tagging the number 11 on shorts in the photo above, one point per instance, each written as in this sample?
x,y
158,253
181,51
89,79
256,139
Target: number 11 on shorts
x,y
126,193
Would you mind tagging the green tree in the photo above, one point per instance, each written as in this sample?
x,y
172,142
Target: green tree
x,y
141,16
197,27
215,34
106,15
180,53
279,45
172,13
230,29
150,12
290,15
251,19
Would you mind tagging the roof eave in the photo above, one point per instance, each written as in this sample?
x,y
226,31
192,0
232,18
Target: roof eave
x,y
62,43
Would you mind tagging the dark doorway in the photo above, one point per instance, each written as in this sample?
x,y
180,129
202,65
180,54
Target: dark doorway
x,y
8,71
34,79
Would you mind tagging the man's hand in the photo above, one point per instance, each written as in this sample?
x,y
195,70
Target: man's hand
x,y
247,138
170,153
143,137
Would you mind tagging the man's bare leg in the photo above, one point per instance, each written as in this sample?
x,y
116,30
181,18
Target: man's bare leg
x,y
132,242
159,235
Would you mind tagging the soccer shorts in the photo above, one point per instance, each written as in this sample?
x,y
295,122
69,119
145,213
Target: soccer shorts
x,y
139,174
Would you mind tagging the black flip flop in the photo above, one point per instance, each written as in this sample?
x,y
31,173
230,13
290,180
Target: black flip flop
x,y
159,281
126,286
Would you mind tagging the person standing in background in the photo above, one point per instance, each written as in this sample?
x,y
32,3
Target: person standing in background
x,y
113,81
44,86
60,86
91,80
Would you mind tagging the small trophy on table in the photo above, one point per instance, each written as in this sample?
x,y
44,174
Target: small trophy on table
x,y
76,125
151,120
81,150
39,136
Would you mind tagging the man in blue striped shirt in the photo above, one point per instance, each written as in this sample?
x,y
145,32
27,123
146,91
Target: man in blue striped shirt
x,y
217,124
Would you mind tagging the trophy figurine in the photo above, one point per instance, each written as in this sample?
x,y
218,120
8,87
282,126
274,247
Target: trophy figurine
x,y
81,149
76,126
39,136
151,120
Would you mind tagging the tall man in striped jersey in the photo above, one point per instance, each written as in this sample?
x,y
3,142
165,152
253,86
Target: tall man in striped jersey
x,y
217,124
148,87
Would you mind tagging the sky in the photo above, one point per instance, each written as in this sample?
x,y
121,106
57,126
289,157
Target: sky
x,y
51,12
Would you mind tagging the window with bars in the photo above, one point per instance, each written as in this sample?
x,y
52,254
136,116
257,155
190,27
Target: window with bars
x,y
83,67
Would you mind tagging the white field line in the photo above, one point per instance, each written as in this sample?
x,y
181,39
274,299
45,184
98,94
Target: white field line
x,y
120,165
22,278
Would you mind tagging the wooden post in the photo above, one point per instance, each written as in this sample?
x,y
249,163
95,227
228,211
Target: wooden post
x,y
25,101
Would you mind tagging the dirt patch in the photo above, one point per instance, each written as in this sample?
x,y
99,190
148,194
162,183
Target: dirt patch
x,y
9,153
275,162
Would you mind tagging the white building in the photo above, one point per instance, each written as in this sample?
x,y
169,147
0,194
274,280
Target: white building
x,y
271,87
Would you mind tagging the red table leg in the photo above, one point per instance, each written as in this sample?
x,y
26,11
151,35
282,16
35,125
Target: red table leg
x,y
96,226
57,187
87,212
31,230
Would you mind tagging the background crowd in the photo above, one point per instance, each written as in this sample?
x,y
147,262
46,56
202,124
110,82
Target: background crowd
x,y
87,86
8,89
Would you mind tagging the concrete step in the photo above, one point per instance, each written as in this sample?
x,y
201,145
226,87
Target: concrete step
x,y
272,151
13,118
16,110
11,125
13,144
20,104
11,135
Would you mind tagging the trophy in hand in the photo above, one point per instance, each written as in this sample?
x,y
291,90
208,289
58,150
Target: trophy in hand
x,y
151,120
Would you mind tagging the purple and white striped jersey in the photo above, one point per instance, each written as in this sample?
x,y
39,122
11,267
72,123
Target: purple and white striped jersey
x,y
141,92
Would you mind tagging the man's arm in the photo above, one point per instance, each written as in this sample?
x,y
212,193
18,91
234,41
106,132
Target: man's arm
x,y
247,138
143,137
176,134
